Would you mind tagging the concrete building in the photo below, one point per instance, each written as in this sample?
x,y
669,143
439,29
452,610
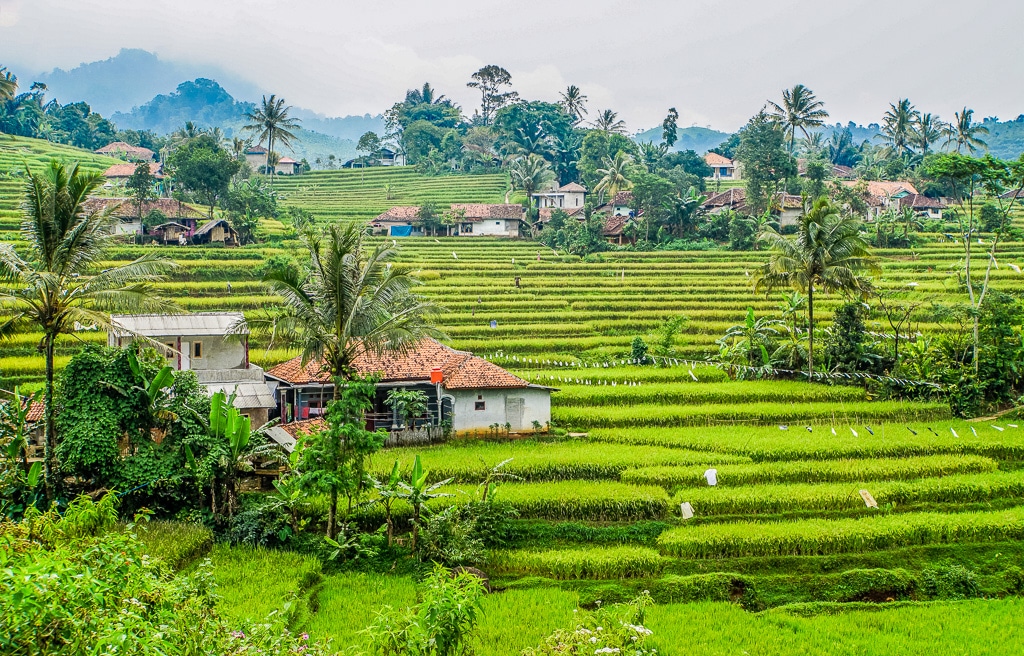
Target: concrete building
x,y
567,197
215,345
487,220
470,392
723,168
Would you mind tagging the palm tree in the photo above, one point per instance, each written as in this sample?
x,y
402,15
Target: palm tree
x,y
927,130
827,253
898,126
964,132
651,154
54,286
350,301
609,123
614,175
530,174
841,150
574,103
270,122
800,109
9,84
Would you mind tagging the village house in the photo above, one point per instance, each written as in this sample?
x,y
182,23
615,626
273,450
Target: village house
x,y
880,195
488,220
400,221
567,197
256,158
214,345
171,233
128,152
923,205
118,174
215,231
384,157
786,208
288,166
128,213
468,391
723,168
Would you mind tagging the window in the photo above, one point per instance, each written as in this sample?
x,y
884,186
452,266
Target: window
x,y
480,404
171,347
467,228
197,350
497,223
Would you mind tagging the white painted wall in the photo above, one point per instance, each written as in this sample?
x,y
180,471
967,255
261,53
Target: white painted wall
x,y
496,228
536,405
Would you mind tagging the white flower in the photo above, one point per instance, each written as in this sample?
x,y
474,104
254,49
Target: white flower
x,y
607,650
593,640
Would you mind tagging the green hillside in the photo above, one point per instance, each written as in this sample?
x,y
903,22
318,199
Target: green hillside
x,y
363,194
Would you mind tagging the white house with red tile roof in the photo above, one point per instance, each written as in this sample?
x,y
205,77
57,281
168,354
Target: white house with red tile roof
x,y
880,195
469,391
723,168
487,219
123,150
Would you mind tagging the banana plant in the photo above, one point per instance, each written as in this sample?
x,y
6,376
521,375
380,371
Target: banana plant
x,y
20,482
387,492
417,493
154,392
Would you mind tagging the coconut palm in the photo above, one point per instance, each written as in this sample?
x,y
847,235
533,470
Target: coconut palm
x,y
54,286
964,132
350,301
531,174
608,122
8,84
898,126
614,175
827,253
425,96
651,154
841,150
270,122
800,109
927,130
574,103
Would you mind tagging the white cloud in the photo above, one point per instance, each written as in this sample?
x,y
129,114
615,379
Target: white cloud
x,y
9,12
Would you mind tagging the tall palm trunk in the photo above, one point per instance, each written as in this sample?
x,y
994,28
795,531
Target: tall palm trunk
x,y
810,333
270,149
49,441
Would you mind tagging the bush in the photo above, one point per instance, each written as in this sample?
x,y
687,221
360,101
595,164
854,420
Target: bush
x,y
261,526
719,586
950,582
449,537
867,585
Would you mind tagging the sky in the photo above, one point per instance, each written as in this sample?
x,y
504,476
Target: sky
x,y
716,61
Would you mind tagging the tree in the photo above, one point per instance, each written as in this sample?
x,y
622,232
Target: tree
x,y
827,254
55,285
668,127
9,84
964,132
596,149
370,144
270,123
800,109
614,175
898,126
574,103
140,187
247,201
491,81
609,123
927,130
350,300
201,167
751,340
765,160
334,460
841,150
530,174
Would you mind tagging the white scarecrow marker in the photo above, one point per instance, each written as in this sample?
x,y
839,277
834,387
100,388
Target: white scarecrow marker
x,y
686,510
712,477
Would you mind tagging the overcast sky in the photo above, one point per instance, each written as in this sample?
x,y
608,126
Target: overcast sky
x,y
717,61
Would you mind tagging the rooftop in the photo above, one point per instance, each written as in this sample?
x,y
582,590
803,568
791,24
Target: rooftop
x,y
479,211
169,207
400,213
714,159
159,325
126,170
461,370
126,149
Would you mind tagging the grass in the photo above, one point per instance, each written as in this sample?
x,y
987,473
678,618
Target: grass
x,y
583,563
253,582
178,544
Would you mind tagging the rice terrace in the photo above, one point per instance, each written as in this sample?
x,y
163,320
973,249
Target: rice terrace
x,y
471,367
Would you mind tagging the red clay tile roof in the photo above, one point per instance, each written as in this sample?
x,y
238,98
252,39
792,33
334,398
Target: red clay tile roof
x,y
1013,193
623,198
728,198
169,207
461,370
35,412
714,159
287,160
613,225
304,427
482,211
127,150
545,212
918,202
126,170
884,188
573,187
256,150
400,213
840,171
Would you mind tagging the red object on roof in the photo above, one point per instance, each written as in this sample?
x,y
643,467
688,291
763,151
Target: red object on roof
x,y
436,375
482,211
459,369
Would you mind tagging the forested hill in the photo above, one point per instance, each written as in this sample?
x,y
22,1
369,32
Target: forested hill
x,y
693,138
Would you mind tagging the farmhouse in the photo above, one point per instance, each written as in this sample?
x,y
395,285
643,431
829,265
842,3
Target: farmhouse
x,y
287,166
127,151
567,197
786,208
384,157
215,231
214,345
723,168
399,221
923,205
491,220
128,212
470,392
880,195
118,174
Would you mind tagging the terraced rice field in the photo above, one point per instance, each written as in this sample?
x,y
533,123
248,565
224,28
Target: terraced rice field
x,y
785,533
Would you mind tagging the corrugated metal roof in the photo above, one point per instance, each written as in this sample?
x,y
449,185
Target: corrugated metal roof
x,y
186,325
247,395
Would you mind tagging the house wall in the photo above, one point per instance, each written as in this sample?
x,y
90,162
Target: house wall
x,y
789,217
131,227
621,210
496,228
256,161
535,403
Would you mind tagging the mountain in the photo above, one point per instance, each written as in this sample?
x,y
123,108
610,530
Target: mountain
x,y
131,78
207,104
349,127
693,138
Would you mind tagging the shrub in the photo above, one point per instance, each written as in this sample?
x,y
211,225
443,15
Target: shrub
x,y
867,585
951,581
